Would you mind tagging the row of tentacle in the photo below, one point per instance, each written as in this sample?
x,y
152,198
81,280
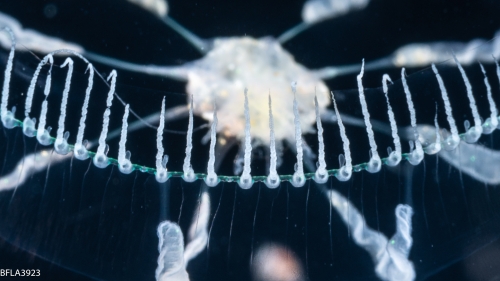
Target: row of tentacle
x,y
246,180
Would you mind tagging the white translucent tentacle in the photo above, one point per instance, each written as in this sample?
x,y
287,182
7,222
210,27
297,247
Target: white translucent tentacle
x,y
452,141
189,175
42,134
61,144
472,134
161,174
416,155
100,158
80,150
321,175
345,171
7,116
394,156
211,178
498,75
171,264
375,163
29,124
492,122
298,178
246,181
124,164
273,179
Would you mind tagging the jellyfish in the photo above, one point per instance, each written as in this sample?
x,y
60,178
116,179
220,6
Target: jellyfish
x,y
90,202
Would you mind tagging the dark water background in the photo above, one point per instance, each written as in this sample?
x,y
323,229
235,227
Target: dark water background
x,y
101,224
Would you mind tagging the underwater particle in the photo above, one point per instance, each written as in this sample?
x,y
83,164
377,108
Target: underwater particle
x,y
50,10
274,262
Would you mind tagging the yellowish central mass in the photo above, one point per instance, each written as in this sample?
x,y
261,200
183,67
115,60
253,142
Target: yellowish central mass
x,y
264,68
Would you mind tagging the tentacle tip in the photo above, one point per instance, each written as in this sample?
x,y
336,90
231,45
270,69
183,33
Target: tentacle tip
x,y
298,179
245,182
394,159
473,134
161,175
212,180
125,166
101,160
273,181
374,165
321,176
8,120
451,142
344,173
44,138
61,146
29,127
80,152
189,176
